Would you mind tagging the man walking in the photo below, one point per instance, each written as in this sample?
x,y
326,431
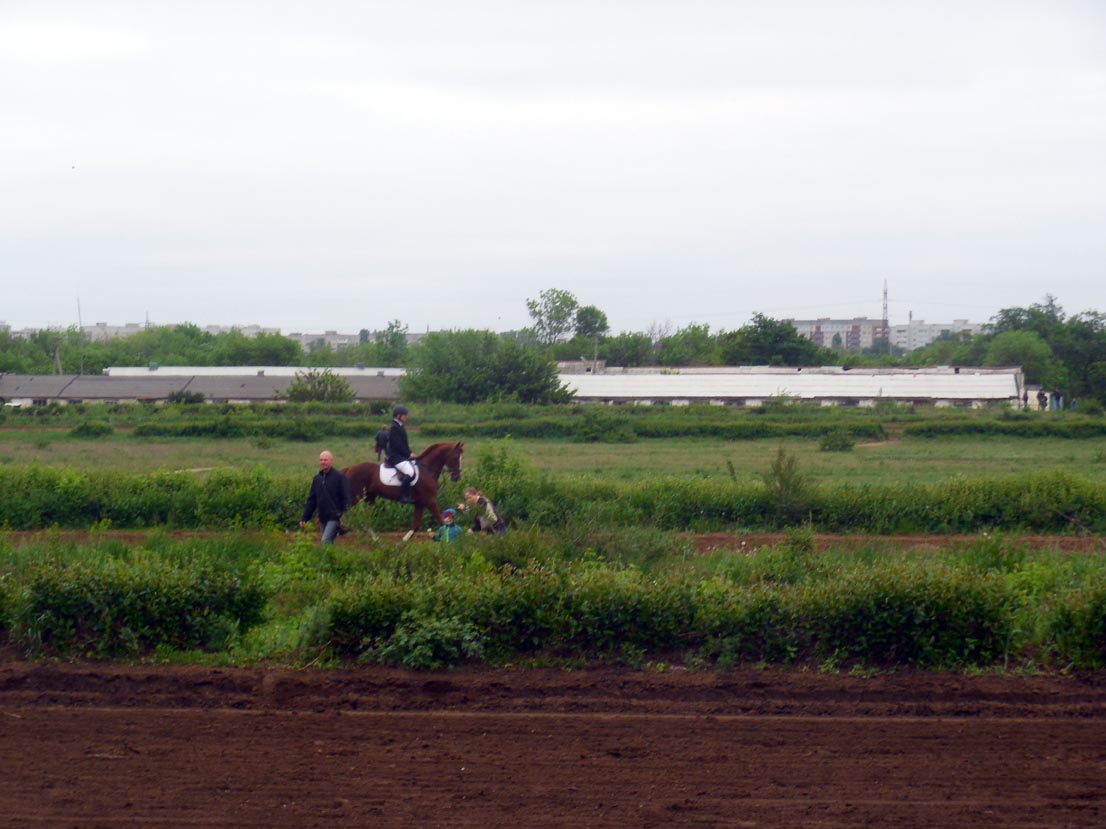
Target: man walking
x,y
329,496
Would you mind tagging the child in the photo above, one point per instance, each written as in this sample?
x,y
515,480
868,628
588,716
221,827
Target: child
x,y
448,531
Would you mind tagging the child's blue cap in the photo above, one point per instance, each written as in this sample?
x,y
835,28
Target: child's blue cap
x,y
452,513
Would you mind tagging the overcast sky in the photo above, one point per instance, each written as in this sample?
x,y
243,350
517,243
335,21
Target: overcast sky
x,y
336,165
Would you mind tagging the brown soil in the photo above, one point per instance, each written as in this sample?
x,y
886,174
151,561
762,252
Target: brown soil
x,y
95,745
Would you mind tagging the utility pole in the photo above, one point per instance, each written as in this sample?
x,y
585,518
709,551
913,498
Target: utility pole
x,y
80,338
886,326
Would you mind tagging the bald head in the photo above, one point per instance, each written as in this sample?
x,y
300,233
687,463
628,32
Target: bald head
x,y
326,460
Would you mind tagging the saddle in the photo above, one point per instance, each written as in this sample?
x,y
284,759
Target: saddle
x,y
389,476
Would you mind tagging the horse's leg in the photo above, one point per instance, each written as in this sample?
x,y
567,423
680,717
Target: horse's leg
x,y
435,510
416,520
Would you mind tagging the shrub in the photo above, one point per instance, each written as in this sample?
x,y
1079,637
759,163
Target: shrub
x,y
789,491
1078,627
907,614
107,607
430,644
838,440
91,429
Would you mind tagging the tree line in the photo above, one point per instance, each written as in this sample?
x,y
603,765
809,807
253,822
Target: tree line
x,y
1062,353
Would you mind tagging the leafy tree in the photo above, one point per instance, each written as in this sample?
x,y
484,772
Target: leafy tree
x,y
690,346
236,349
628,349
391,344
1045,318
1025,349
592,324
765,342
1078,344
319,386
474,366
553,313
954,348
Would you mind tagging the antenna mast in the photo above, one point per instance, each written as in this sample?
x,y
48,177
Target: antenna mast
x,y
80,339
886,327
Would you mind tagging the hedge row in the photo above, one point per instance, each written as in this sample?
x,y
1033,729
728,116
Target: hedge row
x,y
109,607
293,428
426,606
36,497
611,428
902,613
1019,428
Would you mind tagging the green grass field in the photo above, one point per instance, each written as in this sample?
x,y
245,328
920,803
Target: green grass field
x,y
922,461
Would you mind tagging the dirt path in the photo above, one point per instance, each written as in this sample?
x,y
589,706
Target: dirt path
x,y
95,745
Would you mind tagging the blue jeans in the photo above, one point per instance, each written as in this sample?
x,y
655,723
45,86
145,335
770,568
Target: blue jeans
x,y
330,531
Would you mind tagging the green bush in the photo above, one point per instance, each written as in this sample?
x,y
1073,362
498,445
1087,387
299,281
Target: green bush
x,y
1078,627
836,441
91,429
108,607
430,644
907,614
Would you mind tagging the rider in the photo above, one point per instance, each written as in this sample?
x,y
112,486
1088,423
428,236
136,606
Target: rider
x,y
398,454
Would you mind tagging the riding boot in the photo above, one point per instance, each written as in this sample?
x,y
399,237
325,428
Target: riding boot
x,y
405,490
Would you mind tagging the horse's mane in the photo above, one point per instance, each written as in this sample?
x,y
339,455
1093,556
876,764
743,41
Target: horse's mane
x,y
435,447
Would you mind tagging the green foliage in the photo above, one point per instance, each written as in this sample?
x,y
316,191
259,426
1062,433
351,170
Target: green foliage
x,y
430,644
477,366
901,613
319,386
598,425
992,602
91,429
185,398
106,607
765,342
1078,626
553,314
838,440
692,345
789,490
1074,427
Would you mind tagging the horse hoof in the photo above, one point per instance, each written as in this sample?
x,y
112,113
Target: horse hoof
x,y
408,536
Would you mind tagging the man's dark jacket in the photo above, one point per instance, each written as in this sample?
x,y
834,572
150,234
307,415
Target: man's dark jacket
x,y
329,494
398,448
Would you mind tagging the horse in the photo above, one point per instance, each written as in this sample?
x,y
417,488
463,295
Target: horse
x,y
364,480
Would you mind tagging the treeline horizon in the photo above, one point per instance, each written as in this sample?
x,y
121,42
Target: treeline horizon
x,y
1062,353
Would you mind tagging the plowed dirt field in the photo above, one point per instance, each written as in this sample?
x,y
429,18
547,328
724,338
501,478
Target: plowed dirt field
x,y
94,745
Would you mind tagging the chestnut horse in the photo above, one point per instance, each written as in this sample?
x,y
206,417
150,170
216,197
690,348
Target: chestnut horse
x,y
364,480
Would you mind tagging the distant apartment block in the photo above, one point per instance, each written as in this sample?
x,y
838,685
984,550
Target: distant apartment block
x,y
919,333
861,332
336,339
852,335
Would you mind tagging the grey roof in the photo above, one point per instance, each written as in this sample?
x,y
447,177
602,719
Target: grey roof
x,y
248,371
98,387
146,387
238,388
967,384
33,386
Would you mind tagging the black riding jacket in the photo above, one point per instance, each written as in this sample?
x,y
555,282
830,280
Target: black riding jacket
x,y
398,448
329,494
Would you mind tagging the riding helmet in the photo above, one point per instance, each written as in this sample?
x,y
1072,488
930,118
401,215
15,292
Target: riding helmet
x,y
399,410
